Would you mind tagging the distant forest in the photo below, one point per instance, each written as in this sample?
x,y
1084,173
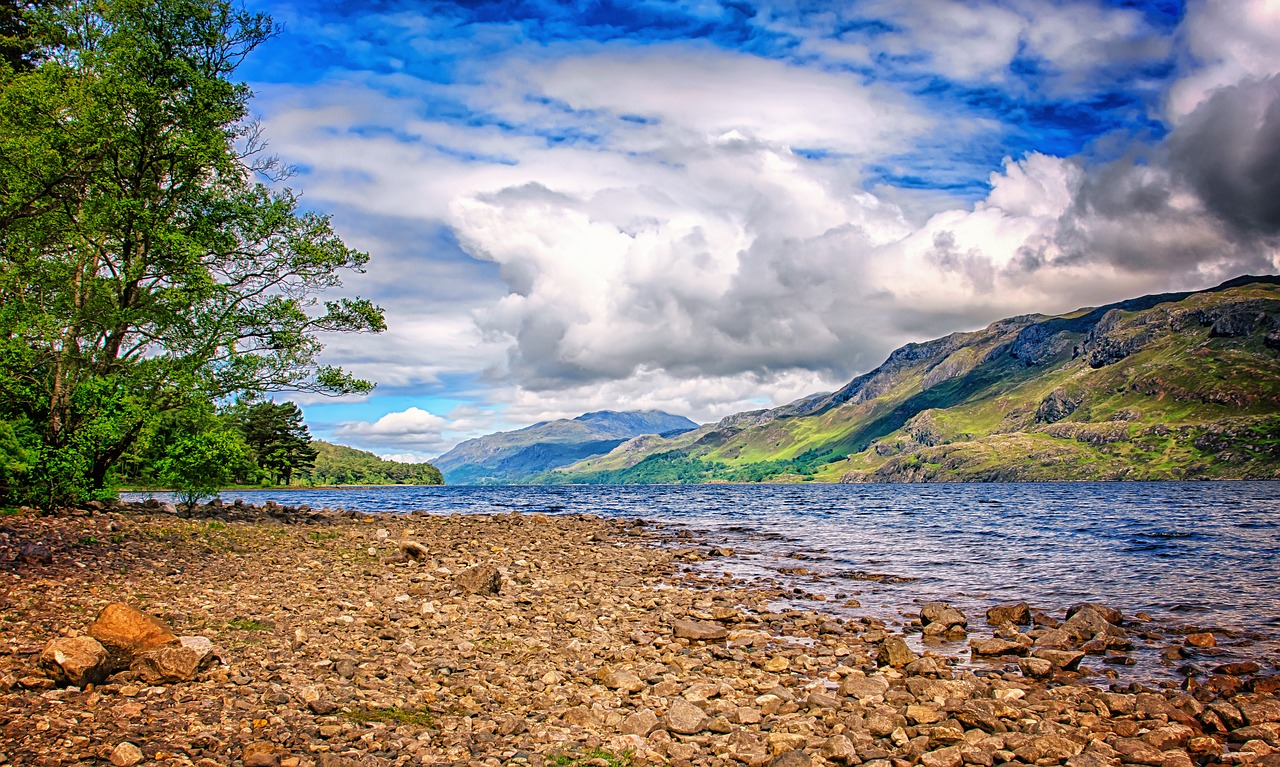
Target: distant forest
x,y
341,465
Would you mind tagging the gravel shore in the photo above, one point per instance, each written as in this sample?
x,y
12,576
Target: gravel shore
x,y
413,639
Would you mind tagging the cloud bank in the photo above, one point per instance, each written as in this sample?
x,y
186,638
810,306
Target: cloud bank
x,y
720,208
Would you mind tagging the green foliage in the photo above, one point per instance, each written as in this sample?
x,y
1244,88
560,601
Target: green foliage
x,y
142,262
199,464
249,624
341,465
393,715
612,759
278,440
13,460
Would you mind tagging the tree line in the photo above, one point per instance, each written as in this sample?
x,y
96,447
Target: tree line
x,y
156,271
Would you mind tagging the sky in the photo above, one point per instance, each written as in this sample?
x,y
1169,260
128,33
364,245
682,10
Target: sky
x,y
710,206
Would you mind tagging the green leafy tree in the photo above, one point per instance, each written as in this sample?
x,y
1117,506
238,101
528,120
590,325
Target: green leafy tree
x,y
17,49
143,260
199,460
278,439
13,460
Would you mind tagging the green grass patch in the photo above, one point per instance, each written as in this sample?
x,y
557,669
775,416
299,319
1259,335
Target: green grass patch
x,y
593,757
318,536
393,715
249,624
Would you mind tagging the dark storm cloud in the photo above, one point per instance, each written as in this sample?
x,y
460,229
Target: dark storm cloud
x,y
1228,150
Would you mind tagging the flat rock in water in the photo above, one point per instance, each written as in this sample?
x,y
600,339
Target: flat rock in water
x,y
994,647
895,652
1017,613
941,615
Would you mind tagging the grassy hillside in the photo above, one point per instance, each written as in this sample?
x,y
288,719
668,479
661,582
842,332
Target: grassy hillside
x,y
341,465
1160,387
513,456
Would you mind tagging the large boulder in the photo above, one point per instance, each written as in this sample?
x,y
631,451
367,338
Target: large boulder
x,y
1017,613
1088,620
178,663
895,652
126,633
684,718
481,579
940,618
78,661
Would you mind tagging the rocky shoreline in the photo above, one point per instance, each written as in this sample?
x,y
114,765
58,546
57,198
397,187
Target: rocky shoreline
x,y
342,639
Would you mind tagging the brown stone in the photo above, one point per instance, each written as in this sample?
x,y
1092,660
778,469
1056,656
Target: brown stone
x,y
684,718
1064,659
76,660
943,757
1168,737
126,755
166,665
1035,668
942,615
1201,640
624,681
1017,613
699,630
261,754
126,632
481,579
839,749
895,652
792,758
994,647
640,723
864,687
1053,747
1108,614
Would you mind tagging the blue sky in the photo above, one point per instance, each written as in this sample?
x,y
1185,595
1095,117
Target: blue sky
x,y
707,206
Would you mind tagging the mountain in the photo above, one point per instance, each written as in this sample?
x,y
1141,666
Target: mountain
x,y
512,456
1172,386
342,465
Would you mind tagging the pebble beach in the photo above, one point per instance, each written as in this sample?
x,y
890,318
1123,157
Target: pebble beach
x,y
286,637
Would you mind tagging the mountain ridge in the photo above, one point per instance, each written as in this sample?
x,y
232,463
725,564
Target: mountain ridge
x,y
1191,362
514,455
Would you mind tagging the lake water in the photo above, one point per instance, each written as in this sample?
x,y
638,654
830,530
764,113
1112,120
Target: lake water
x,y
1191,555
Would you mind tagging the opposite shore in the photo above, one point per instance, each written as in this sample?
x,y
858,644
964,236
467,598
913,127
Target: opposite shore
x,y
351,639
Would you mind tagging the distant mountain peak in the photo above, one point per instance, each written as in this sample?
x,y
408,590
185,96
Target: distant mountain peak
x,y
515,455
